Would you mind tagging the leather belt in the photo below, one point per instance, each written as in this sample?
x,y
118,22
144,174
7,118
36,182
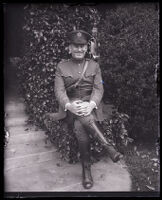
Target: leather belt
x,y
79,93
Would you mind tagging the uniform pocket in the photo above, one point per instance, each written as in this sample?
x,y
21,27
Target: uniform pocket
x,y
89,76
68,79
67,74
89,73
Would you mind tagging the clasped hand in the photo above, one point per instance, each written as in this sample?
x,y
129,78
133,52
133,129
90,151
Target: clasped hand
x,y
81,108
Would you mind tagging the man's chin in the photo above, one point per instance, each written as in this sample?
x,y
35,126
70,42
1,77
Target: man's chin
x,y
79,57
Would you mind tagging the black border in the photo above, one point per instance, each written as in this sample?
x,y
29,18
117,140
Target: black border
x,y
82,194
47,195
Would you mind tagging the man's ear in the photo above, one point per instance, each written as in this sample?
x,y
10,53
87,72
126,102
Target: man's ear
x,y
70,49
86,47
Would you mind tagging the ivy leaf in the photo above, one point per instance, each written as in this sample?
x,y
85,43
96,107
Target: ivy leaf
x,y
155,159
150,188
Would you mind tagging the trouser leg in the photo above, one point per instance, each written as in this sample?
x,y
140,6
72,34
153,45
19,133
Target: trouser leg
x,y
84,148
89,124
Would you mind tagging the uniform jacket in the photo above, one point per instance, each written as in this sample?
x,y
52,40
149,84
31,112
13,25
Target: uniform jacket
x,y
67,73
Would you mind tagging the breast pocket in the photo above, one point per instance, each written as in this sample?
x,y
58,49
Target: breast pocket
x,y
68,79
89,76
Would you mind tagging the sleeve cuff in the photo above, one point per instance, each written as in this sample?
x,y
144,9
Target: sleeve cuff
x,y
93,102
66,106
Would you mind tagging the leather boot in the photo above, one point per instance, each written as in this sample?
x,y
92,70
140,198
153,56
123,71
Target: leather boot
x,y
92,126
87,180
114,155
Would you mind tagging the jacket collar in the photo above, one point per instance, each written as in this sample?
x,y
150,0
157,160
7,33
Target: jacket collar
x,y
78,61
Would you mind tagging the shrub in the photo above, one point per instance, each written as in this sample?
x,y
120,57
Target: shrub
x,y
128,35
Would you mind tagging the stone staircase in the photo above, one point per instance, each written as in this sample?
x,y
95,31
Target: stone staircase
x,y
26,145
32,164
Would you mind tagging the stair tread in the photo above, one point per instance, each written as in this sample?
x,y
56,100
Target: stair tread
x,y
26,149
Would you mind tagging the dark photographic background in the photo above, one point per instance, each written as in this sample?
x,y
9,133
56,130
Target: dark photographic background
x,y
13,43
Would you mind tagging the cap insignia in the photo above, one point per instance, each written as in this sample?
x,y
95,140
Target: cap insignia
x,y
79,34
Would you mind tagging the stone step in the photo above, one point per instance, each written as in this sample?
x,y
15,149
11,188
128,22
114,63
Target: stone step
x,y
14,151
11,115
26,160
15,107
16,121
28,138
43,176
19,130
57,175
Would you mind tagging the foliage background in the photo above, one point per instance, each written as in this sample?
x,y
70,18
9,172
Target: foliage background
x,y
129,38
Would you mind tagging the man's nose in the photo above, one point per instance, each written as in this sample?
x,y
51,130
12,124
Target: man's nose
x,y
80,48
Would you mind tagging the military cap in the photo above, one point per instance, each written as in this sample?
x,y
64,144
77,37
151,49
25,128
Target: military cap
x,y
79,37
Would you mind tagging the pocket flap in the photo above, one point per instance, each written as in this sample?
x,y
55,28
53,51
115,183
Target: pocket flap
x,y
66,74
90,73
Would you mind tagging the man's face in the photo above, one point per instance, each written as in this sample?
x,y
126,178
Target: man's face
x,y
78,51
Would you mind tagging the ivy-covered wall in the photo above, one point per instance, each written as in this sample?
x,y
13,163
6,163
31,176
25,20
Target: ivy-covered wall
x,y
129,42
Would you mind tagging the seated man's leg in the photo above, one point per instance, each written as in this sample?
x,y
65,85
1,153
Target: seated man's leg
x,y
84,147
91,125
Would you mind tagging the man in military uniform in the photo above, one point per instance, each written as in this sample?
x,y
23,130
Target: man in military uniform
x,y
79,91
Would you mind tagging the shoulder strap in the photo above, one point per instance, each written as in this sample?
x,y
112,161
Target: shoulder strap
x,y
84,69
83,72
